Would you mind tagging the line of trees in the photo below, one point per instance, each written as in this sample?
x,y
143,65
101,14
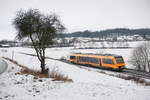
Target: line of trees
x,y
109,33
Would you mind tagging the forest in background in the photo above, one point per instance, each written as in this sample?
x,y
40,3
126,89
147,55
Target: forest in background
x,y
143,32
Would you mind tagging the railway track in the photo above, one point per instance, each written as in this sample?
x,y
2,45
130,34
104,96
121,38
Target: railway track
x,y
127,71
140,74
135,73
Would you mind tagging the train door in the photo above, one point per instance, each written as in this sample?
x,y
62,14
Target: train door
x,y
77,59
100,62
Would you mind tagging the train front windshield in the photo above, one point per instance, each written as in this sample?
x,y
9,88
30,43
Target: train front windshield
x,y
119,60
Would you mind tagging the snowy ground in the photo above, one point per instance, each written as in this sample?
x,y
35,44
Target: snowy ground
x,y
86,84
3,66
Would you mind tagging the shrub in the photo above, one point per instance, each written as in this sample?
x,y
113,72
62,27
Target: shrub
x,y
58,76
141,57
54,73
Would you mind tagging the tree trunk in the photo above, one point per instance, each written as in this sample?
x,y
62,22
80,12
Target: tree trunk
x,y
43,69
148,66
42,65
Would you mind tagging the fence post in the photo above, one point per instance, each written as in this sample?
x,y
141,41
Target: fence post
x,y
12,54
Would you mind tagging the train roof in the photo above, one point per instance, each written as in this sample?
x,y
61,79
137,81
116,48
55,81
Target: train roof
x,y
107,54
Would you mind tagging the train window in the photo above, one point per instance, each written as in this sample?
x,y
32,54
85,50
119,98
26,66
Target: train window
x,y
72,57
89,60
119,59
82,59
93,60
108,61
86,59
96,60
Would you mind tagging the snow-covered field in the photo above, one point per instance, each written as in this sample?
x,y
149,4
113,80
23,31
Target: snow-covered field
x,y
86,85
3,66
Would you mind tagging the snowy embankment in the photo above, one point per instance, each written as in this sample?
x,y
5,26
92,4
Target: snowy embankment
x,y
3,66
86,85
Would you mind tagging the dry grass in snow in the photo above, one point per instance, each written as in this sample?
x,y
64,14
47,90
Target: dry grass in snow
x,y
135,79
58,76
54,73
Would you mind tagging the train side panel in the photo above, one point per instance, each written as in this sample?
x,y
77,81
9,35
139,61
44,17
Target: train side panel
x,y
108,62
88,60
114,62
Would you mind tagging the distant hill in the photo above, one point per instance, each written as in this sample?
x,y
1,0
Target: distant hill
x,y
109,32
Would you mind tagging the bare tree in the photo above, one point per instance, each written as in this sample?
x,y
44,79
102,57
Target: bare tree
x,y
73,41
141,57
40,29
102,44
110,44
119,44
126,44
64,42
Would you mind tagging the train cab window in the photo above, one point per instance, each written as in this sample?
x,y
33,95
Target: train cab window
x,y
119,59
72,57
108,61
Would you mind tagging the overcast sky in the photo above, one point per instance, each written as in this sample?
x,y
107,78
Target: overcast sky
x,y
79,15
